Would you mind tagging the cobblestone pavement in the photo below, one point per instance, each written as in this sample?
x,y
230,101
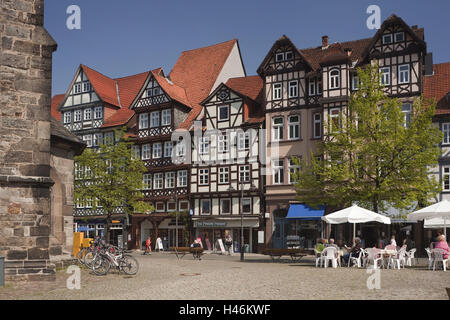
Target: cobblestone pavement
x,y
162,276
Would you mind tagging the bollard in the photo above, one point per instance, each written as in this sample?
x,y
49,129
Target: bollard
x,y
2,271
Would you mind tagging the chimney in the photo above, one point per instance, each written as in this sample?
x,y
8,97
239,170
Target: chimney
x,y
348,51
414,27
324,42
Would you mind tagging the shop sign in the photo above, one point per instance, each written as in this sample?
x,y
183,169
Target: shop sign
x,y
207,224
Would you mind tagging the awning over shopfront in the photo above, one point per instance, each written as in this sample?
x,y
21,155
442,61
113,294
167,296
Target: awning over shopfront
x,y
84,228
302,211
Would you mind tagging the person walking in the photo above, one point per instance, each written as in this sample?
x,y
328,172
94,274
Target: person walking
x,y
229,244
148,246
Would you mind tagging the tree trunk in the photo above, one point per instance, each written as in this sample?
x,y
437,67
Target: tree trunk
x,y
108,225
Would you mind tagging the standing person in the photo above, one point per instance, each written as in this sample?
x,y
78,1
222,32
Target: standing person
x,y
229,244
148,246
393,242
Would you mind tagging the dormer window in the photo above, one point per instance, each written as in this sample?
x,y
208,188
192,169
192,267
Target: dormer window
x,y
279,57
399,36
334,79
86,86
387,38
289,55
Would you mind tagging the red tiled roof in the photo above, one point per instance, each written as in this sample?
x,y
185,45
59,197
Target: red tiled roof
x,y
250,86
197,70
193,114
128,88
104,86
175,92
317,55
437,87
56,101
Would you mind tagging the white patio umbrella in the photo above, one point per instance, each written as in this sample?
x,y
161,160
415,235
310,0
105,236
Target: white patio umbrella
x,y
433,223
440,209
355,214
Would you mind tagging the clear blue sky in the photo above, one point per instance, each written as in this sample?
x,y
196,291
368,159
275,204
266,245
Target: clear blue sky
x,y
124,37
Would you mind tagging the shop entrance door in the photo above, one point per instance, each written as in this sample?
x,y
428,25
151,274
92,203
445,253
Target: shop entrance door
x,y
279,233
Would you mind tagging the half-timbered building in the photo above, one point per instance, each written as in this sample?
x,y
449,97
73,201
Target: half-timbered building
x,y
93,106
307,90
166,104
437,89
226,183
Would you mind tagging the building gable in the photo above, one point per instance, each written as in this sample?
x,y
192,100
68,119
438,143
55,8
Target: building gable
x,y
283,56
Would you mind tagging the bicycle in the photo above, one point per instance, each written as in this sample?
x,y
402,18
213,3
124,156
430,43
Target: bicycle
x,y
113,256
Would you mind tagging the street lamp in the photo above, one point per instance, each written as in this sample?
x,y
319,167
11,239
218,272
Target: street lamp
x,y
252,188
176,218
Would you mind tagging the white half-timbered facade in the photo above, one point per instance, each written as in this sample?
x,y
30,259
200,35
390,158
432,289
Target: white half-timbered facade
x,y
93,106
226,180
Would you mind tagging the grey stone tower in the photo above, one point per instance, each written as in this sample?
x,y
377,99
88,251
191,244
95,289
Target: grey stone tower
x,y
25,93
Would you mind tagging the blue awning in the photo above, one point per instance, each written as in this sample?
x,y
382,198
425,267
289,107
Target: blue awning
x,y
302,211
82,229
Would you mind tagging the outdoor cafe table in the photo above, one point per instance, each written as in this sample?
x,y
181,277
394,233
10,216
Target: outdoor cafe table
x,y
386,255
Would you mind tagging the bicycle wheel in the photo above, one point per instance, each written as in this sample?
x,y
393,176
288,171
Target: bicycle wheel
x,y
80,255
129,265
101,266
89,258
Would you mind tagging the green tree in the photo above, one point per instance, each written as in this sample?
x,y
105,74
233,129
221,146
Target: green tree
x,y
111,179
373,153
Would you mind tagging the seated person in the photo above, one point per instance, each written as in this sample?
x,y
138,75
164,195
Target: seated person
x,y
319,246
332,244
354,251
442,244
197,254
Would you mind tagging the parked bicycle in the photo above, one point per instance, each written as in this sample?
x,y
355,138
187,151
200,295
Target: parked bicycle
x,y
110,256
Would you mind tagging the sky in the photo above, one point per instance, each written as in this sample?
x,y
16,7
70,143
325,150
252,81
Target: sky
x,y
125,37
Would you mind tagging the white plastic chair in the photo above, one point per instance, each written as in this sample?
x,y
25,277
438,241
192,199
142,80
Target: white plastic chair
x,y
438,257
319,258
430,258
398,259
358,259
330,253
410,257
371,256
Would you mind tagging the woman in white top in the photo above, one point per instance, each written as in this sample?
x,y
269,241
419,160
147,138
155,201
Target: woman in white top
x,y
393,242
